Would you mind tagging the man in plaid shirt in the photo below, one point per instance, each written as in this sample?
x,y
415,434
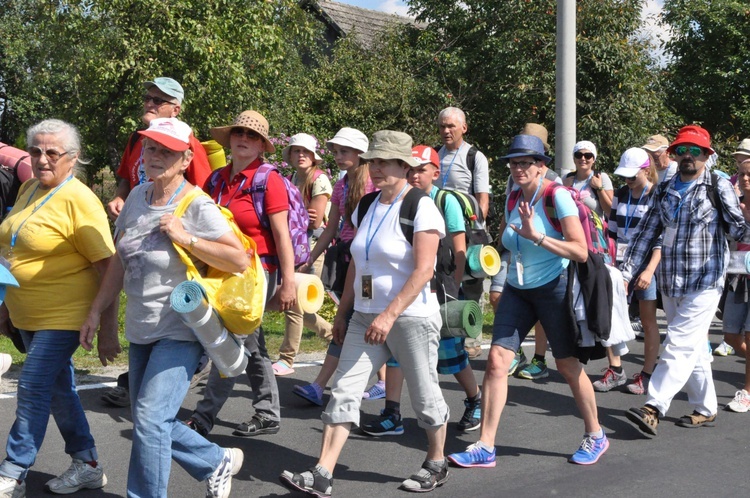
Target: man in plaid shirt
x,y
694,258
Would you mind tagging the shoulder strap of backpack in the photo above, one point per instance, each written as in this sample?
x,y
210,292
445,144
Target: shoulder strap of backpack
x,y
258,191
213,180
409,212
471,158
513,197
364,204
132,140
548,202
713,196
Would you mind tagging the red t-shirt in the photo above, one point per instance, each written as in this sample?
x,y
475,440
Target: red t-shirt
x,y
197,172
235,196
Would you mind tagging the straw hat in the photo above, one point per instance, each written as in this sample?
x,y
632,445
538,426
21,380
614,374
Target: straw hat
x,y
537,130
250,120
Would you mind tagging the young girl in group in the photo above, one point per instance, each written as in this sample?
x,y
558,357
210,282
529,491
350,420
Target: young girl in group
x,y
316,191
346,147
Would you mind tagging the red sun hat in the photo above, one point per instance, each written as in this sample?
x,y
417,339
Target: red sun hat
x,y
694,135
425,155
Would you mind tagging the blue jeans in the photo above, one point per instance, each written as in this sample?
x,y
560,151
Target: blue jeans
x,y
47,385
160,375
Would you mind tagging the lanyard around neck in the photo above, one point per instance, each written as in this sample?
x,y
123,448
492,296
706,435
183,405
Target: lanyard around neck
x,y
628,214
531,204
224,184
14,237
369,238
176,193
448,170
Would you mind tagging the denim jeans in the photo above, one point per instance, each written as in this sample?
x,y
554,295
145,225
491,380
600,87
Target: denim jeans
x,y
160,375
47,385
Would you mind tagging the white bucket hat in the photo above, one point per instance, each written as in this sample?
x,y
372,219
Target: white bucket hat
x,y
305,141
349,137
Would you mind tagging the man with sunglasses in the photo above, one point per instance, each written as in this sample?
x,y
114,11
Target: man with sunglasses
x,y
690,216
656,146
163,99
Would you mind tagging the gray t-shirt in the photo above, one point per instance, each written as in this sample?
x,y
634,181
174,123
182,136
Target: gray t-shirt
x,y
666,174
152,266
455,174
589,196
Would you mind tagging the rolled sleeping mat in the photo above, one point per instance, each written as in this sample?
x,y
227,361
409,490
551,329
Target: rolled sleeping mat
x,y
310,293
481,262
6,279
215,152
461,319
188,299
739,262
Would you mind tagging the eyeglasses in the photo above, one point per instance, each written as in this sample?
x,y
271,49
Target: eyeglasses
x,y
158,102
244,131
587,155
520,164
52,154
694,150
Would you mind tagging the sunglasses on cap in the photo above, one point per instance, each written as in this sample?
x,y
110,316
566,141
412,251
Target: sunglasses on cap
x,y
587,155
158,101
694,150
52,154
238,132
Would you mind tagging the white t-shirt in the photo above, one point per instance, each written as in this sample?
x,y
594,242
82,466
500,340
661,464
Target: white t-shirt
x,y
455,174
391,259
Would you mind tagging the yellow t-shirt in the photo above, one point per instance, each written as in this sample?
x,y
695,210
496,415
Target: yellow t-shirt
x,y
53,255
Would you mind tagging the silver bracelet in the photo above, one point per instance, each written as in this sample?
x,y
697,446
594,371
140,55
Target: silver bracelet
x,y
541,239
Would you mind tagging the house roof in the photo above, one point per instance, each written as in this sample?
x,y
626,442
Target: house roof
x,y
365,24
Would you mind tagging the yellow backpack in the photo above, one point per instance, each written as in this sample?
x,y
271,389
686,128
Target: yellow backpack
x,y
239,298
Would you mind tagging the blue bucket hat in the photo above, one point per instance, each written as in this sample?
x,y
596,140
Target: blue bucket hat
x,y
527,145
6,278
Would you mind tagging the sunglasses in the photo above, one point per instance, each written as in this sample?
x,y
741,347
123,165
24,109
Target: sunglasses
x,y
587,155
158,102
521,164
694,150
52,154
238,132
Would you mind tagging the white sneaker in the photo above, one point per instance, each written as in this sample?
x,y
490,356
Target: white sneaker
x,y
6,361
220,483
724,349
79,475
740,403
10,488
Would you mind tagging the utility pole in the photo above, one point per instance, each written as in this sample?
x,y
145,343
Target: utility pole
x,y
565,92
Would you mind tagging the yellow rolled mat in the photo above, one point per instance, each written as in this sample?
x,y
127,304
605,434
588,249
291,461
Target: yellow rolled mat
x,y
481,261
215,152
310,293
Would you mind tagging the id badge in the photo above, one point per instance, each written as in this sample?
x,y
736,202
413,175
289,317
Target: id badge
x,y
5,261
519,269
366,286
669,236
621,247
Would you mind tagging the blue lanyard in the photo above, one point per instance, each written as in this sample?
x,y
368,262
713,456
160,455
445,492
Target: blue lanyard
x,y
628,214
533,200
223,184
176,193
586,182
368,239
14,237
447,171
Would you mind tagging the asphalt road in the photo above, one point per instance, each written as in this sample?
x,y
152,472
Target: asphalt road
x,y
539,430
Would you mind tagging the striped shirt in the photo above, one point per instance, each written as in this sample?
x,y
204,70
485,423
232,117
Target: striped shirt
x,y
626,213
697,257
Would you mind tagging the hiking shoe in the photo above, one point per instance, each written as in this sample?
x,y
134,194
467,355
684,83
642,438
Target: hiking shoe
x,y
280,369
473,351
645,418
311,392
695,420
637,327
10,488
256,426
201,375
389,424
724,349
474,456
537,369
519,361
117,396
429,477
196,426
309,482
472,418
639,384
219,484
590,450
610,380
80,475
740,403
377,391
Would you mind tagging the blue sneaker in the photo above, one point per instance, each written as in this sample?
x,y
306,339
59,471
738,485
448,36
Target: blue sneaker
x,y
474,456
519,361
590,450
387,425
376,391
535,370
311,392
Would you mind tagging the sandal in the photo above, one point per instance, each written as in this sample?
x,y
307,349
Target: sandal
x,y
280,369
696,419
645,418
309,482
429,477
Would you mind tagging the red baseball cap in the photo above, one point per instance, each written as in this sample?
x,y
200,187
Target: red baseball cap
x,y
694,135
425,154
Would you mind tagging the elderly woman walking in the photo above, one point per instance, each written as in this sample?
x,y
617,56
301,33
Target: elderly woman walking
x,y
395,314
56,242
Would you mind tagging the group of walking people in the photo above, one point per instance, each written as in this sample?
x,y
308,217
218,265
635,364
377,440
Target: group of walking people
x,y
388,224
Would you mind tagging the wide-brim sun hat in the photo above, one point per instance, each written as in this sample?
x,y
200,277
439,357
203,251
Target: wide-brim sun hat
x,y
349,137
632,161
527,145
169,132
743,149
250,120
305,141
537,130
391,145
585,145
692,135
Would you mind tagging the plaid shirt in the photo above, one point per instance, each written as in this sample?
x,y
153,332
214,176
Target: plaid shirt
x,y
698,257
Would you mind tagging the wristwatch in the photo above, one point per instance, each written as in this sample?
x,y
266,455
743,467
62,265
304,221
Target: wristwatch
x,y
193,241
